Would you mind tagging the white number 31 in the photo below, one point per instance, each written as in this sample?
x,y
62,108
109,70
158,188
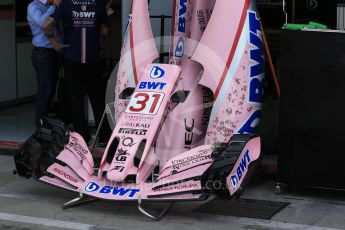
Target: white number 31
x,y
145,103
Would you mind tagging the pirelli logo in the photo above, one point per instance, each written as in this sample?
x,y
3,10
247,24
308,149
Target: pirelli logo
x,y
140,132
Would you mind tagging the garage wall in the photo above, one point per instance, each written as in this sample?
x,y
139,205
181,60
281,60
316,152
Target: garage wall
x,y
25,72
7,52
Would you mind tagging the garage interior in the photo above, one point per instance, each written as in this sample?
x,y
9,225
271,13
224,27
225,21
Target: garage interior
x,y
296,129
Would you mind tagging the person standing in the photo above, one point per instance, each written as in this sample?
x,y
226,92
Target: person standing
x,y
85,22
44,57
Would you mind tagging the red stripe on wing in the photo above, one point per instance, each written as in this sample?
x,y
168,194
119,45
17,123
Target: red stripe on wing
x,y
234,46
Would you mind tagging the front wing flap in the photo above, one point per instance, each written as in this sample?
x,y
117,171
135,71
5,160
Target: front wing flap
x,y
193,175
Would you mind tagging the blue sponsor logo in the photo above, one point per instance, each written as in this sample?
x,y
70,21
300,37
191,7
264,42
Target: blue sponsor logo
x,y
179,52
152,85
251,123
257,55
116,191
181,27
182,16
157,72
245,161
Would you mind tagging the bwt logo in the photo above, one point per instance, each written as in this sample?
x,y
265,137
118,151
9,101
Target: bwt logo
x,y
115,191
83,14
257,72
181,27
182,16
257,55
251,123
152,85
157,72
179,52
235,179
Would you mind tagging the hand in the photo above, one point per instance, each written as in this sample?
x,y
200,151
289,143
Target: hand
x,y
56,2
60,47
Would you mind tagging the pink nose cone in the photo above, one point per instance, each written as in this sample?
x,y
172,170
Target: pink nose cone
x,y
116,176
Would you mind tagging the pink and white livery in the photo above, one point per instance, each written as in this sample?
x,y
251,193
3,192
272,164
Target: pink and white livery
x,y
186,130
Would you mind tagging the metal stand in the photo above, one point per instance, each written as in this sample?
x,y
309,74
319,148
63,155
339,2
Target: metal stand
x,y
77,201
106,113
151,216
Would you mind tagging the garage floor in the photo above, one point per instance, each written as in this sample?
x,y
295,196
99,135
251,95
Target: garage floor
x,y
29,205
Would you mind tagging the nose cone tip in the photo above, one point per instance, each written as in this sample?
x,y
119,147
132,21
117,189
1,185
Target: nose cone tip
x,y
115,176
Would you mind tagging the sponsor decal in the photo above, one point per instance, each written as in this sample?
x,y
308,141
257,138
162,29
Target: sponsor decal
x,y
182,16
84,2
179,51
157,72
83,18
257,55
251,123
137,118
128,141
181,27
65,175
207,97
115,191
244,164
178,187
121,155
88,23
139,132
191,160
83,14
188,136
203,18
257,72
77,148
119,168
135,125
152,85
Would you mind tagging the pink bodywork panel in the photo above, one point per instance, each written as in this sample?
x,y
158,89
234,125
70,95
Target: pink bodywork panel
x,y
188,120
138,50
190,21
66,174
70,159
226,53
58,182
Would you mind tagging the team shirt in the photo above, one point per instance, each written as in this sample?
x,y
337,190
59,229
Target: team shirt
x,y
82,20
